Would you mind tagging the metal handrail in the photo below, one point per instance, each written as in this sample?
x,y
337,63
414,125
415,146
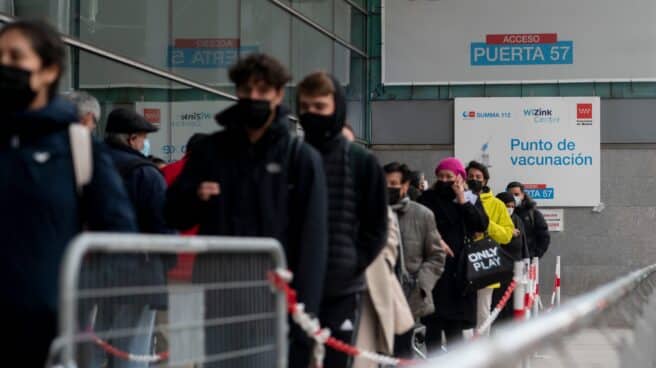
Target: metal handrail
x,y
73,42
318,27
514,341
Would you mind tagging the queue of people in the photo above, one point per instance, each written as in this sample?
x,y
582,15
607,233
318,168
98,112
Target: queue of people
x,y
375,251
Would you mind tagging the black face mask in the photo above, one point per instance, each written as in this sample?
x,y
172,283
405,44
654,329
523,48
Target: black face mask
x,y
246,113
475,185
319,128
16,93
445,190
393,195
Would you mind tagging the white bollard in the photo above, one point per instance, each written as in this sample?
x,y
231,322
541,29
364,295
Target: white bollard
x,y
518,295
536,289
558,280
526,280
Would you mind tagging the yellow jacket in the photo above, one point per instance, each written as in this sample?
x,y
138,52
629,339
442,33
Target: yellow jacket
x,y
501,226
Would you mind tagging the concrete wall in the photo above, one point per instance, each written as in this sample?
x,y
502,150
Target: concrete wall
x,y
595,247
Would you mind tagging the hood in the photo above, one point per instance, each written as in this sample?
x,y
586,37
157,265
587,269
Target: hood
x,y
528,203
486,195
57,115
321,134
58,111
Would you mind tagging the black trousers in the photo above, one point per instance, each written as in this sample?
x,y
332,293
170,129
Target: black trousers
x,y
342,316
434,327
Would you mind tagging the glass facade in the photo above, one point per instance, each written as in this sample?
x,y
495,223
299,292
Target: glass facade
x,y
200,40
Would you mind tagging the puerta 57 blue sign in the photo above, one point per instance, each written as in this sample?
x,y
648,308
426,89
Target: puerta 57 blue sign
x,y
551,145
206,53
521,49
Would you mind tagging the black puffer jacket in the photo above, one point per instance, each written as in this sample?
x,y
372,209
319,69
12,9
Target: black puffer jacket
x,y
537,230
357,216
452,219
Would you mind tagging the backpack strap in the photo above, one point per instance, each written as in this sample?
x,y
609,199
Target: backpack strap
x,y
82,153
293,150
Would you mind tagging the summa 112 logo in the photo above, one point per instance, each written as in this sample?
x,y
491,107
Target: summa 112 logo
x,y
470,115
584,113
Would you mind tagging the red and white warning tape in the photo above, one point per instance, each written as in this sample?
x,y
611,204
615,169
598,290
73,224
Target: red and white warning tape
x,y
280,279
109,349
497,309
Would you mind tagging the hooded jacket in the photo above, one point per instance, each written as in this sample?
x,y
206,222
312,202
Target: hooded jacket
x,y
357,201
501,226
43,211
537,230
273,188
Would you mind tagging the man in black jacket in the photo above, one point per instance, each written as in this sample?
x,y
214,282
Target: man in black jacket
x,y
255,179
126,136
537,230
357,206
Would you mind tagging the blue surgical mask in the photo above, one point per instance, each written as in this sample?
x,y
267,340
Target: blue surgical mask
x,y
146,148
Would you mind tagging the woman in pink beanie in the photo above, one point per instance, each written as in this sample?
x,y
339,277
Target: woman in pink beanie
x,y
451,164
456,219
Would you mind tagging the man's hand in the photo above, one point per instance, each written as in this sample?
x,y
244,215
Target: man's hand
x,y
446,248
208,189
516,233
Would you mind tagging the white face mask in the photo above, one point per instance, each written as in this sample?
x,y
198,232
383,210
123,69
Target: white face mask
x,y
511,210
425,184
518,201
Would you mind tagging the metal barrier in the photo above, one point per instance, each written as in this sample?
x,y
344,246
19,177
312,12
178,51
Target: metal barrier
x,y
612,326
116,310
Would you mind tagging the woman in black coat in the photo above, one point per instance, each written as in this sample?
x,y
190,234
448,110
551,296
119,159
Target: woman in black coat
x,y
41,207
458,214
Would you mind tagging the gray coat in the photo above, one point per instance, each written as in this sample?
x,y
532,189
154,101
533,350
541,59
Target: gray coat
x,y
423,256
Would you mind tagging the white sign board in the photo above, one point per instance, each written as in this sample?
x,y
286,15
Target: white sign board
x,y
178,121
555,218
552,145
517,41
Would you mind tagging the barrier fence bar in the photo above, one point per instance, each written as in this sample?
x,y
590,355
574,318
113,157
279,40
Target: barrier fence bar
x,y
251,329
513,342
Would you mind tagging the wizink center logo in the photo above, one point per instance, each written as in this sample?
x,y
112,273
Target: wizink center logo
x,y
473,115
541,115
521,49
584,114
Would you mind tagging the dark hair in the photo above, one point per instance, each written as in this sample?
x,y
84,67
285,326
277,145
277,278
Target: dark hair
x,y
46,43
480,167
415,178
259,67
396,167
195,139
316,84
506,197
515,184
